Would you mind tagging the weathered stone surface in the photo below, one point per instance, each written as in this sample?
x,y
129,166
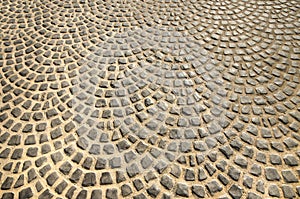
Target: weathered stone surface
x,y
96,194
111,193
132,170
198,191
213,187
272,174
234,173
289,176
106,178
274,190
167,182
153,191
149,99
182,190
235,191
26,193
288,191
138,184
126,190
89,180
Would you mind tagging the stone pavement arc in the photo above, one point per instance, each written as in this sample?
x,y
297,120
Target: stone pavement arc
x,y
149,99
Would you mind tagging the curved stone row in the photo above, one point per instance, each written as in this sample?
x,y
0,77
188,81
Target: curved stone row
x,y
149,99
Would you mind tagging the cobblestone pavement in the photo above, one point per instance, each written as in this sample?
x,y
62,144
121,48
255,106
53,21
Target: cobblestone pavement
x,y
149,99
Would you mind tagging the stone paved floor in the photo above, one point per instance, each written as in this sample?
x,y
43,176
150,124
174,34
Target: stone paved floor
x,y
149,99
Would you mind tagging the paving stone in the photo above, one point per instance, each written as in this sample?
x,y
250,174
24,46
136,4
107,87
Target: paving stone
x,y
275,159
261,157
213,187
111,193
223,179
160,166
126,190
253,196
272,174
20,181
146,162
65,168
298,190
120,176
149,176
89,180
248,181
166,196
226,150
7,183
235,191
115,162
46,194
260,186
140,196
70,192
8,195
123,145
135,93
82,194
236,144
189,175
198,191
130,156
95,149
132,170
31,175
51,179
17,154
274,191
153,191
289,176
201,174
138,184
100,163
290,160
26,193
210,169
290,143
61,187
234,173
241,162
76,175
167,182
106,178
96,194
182,190
288,191
56,157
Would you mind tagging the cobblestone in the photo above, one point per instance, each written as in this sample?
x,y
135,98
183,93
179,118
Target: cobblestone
x,y
182,190
213,187
235,191
149,99
288,191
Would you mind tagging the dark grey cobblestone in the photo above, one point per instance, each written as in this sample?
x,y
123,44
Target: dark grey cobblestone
x,y
149,99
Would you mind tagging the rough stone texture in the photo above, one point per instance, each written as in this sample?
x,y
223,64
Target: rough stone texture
x,y
149,99
235,191
182,190
198,191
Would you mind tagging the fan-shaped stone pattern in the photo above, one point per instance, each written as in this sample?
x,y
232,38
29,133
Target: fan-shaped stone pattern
x,y
149,99
145,119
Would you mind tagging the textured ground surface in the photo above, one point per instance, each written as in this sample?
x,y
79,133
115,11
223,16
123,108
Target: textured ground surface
x,y
149,99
